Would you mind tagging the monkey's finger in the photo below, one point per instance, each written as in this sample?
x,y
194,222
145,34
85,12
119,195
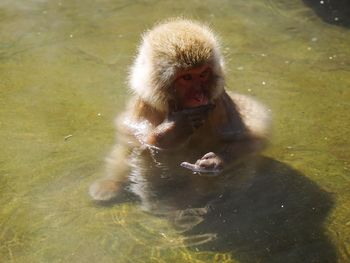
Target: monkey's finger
x,y
205,107
197,124
208,155
198,115
196,119
201,170
189,129
199,110
188,165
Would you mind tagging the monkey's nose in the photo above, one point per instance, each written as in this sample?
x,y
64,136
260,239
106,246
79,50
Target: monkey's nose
x,y
197,87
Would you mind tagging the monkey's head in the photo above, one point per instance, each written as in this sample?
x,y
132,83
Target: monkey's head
x,y
178,61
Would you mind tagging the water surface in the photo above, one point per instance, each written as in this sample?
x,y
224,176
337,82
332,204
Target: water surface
x,y
62,81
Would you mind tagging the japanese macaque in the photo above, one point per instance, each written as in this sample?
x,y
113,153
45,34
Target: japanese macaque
x,y
180,107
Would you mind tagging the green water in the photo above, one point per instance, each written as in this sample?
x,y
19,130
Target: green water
x,y
63,67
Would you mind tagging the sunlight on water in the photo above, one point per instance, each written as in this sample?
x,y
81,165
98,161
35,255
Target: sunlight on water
x,y
63,80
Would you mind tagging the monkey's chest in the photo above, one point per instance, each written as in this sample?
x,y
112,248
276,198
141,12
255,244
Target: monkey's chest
x,y
204,139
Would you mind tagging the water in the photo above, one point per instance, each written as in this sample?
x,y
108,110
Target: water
x,y
63,70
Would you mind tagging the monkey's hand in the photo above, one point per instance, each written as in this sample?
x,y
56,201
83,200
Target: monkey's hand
x,y
210,164
193,117
104,189
179,126
188,120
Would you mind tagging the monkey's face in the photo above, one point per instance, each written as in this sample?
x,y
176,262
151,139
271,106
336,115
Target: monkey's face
x,y
192,86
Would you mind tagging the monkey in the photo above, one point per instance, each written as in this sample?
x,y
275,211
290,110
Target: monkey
x,y
180,107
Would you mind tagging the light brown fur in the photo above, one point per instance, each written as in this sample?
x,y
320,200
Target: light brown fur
x,y
237,126
176,44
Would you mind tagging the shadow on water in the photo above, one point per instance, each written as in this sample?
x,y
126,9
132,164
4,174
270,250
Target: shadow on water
x,y
335,12
260,210
278,218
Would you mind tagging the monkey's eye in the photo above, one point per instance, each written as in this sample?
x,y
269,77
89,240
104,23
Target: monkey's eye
x,y
205,74
187,77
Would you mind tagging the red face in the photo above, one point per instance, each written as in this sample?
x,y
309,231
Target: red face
x,y
192,86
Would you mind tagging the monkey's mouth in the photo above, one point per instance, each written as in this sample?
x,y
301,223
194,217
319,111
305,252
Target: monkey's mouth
x,y
199,99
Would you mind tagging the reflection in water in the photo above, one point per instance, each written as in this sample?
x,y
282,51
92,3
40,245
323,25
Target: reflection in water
x,y
260,210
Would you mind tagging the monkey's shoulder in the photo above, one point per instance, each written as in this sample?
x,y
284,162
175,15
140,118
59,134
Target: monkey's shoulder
x,y
137,120
255,115
238,116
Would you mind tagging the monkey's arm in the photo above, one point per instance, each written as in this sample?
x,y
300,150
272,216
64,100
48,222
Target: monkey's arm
x,y
178,127
253,126
213,163
244,131
117,171
169,134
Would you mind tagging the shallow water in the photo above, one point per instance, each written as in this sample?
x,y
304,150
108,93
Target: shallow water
x,y
62,81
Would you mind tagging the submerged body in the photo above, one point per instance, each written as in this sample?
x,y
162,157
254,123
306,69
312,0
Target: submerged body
x,y
180,107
